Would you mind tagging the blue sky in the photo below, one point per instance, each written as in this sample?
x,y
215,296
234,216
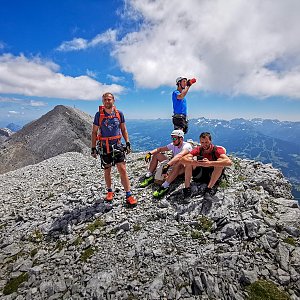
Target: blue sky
x,y
244,54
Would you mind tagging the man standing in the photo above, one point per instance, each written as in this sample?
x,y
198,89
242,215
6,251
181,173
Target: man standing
x,y
179,103
208,167
108,125
179,148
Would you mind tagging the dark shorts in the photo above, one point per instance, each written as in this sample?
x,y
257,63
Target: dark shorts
x,y
180,122
115,156
203,175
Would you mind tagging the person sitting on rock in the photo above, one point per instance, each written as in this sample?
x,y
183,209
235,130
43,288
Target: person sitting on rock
x,y
207,168
179,148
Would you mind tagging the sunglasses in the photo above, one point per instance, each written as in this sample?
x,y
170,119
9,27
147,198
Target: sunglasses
x,y
174,138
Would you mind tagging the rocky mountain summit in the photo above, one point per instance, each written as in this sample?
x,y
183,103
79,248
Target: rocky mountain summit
x,y
60,240
5,133
63,129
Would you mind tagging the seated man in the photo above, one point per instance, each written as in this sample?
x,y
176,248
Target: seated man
x,y
208,167
179,148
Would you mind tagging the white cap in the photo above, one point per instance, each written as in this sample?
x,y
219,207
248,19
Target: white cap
x,y
179,79
177,132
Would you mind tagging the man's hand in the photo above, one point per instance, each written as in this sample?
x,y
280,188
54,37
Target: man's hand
x,y
165,169
94,152
128,148
148,157
191,81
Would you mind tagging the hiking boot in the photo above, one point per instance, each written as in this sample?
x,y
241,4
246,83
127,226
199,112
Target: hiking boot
x,y
160,192
211,191
147,181
187,192
109,196
131,201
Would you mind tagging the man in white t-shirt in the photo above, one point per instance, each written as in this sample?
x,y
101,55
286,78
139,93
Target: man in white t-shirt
x,y
179,148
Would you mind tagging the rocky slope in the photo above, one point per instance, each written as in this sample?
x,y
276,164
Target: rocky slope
x,y
59,240
61,130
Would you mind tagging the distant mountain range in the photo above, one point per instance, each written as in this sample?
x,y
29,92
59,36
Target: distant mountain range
x,y
14,127
269,141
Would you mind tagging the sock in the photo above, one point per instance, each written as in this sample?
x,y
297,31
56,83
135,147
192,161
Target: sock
x,y
149,174
128,194
109,190
165,184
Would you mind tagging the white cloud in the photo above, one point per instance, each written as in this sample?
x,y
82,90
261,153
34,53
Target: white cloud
x,y
91,73
80,44
19,75
75,44
24,102
115,78
13,112
234,46
37,103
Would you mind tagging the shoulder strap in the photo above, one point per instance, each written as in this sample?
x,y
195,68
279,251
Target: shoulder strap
x,y
102,114
213,153
117,114
201,151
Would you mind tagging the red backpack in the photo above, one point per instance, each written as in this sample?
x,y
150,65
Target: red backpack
x,y
101,118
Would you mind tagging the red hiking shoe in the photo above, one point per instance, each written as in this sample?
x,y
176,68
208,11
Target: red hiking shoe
x,y
131,201
109,197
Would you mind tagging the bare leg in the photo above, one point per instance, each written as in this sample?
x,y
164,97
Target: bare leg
x,y
154,161
124,177
177,170
215,176
188,175
107,177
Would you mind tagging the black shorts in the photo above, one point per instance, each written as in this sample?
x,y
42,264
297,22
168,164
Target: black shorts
x,y
180,122
115,156
202,175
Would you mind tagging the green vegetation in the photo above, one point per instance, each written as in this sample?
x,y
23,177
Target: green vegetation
x,y
60,245
137,227
258,249
86,254
265,290
98,223
224,184
290,240
78,241
36,236
204,224
33,252
197,235
14,283
236,164
2,226
241,178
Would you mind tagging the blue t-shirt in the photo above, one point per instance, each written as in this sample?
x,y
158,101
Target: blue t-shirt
x,y
179,105
110,126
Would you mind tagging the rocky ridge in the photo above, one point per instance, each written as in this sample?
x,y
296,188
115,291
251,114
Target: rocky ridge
x,y
60,240
63,129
